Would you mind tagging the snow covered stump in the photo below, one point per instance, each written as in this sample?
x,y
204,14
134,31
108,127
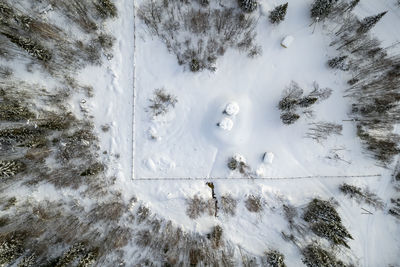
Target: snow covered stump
x,y
287,41
225,124
268,157
232,109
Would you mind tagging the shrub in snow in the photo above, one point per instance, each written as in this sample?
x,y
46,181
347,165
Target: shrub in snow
x,y
238,162
216,236
339,63
11,247
225,124
232,109
278,14
289,117
254,203
161,102
228,204
106,8
395,208
9,168
196,206
315,256
321,9
320,131
369,22
275,258
362,195
248,5
195,65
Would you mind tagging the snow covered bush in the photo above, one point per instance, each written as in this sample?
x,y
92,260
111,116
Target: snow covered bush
x,y
197,206
238,163
275,258
228,204
293,100
369,22
254,203
216,236
10,168
326,222
278,14
161,102
199,36
361,195
248,5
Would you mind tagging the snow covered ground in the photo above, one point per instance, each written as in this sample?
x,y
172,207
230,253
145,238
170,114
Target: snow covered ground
x,y
190,145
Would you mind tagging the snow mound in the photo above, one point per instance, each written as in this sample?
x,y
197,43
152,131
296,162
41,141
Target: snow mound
x,y
268,157
287,41
239,158
232,109
226,124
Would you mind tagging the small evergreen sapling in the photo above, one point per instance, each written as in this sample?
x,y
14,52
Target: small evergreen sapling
x,y
248,5
278,14
369,22
321,9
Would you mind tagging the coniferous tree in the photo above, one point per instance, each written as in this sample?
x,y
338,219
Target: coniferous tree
x,y
321,9
248,5
369,22
352,5
278,14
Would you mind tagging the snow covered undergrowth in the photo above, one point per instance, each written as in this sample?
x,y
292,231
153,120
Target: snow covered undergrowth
x,y
188,143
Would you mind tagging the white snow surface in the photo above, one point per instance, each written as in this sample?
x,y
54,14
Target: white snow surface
x,y
189,145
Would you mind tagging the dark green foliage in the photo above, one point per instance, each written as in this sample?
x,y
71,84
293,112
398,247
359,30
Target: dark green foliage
x,y
11,247
106,8
306,102
11,110
338,63
321,9
195,65
33,48
161,102
334,232
93,170
326,222
278,14
362,195
275,258
248,5
353,4
369,22
315,256
289,117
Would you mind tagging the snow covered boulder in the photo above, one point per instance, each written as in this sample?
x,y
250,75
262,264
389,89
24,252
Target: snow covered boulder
x,y
287,41
226,124
268,157
232,109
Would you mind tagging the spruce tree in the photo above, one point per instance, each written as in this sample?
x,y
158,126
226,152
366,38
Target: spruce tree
x,y
352,5
248,5
278,14
321,9
369,22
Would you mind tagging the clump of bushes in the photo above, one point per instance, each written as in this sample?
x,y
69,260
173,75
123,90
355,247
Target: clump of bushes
x,y
326,222
294,100
275,258
161,102
320,131
237,163
197,206
10,168
198,37
362,195
254,203
228,204
216,236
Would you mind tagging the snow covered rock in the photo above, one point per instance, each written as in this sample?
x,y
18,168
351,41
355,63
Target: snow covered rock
x,y
226,124
268,157
287,41
232,109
